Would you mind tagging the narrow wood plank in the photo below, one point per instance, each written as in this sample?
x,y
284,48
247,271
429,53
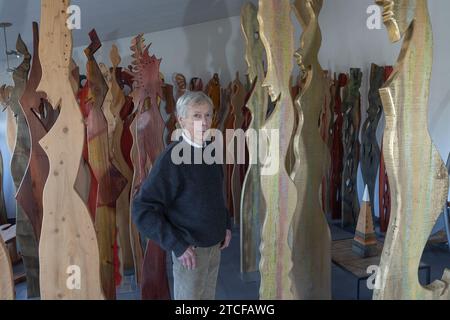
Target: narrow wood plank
x,y
311,241
252,202
279,190
68,238
3,213
417,174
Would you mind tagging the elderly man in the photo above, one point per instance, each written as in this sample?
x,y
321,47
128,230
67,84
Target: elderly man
x,y
182,207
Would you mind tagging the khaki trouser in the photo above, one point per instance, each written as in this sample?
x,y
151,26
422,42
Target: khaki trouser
x,y
199,283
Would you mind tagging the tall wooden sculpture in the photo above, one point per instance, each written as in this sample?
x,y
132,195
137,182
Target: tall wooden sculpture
x,y
170,108
28,223
3,213
417,174
364,243
7,290
68,249
196,84
213,91
352,119
370,151
279,191
311,240
180,85
118,160
337,149
110,182
252,202
148,142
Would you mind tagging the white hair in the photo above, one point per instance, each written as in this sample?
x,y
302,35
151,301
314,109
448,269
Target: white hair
x,y
190,98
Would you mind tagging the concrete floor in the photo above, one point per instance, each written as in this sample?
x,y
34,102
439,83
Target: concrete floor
x,y
230,286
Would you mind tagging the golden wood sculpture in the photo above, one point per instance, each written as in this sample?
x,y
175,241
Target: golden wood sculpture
x,y
417,175
252,201
68,245
279,191
311,241
213,91
7,290
118,160
3,213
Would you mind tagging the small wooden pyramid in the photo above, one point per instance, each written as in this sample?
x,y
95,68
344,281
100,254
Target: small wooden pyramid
x,y
365,243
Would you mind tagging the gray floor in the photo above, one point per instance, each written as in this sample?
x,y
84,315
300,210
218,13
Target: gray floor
x,y
230,286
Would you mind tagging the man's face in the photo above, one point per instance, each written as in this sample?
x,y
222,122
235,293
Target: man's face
x,y
197,121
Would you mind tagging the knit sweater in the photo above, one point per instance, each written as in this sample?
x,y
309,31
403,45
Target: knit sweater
x,y
179,205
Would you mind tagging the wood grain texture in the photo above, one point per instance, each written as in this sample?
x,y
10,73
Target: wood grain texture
x,y
337,149
3,213
370,151
311,240
118,101
352,121
68,235
279,190
252,202
7,290
417,175
149,126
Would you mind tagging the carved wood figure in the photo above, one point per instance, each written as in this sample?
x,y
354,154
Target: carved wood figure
x,y
148,142
279,190
225,105
170,108
337,149
417,175
352,118
213,91
110,181
311,239
252,202
196,84
365,242
118,101
68,244
7,290
27,222
384,196
180,85
229,125
370,151
3,213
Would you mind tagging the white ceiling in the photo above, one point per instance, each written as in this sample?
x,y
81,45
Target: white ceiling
x,y
115,19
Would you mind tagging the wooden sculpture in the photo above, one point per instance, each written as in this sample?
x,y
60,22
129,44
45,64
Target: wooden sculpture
x,y
213,91
148,142
3,213
170,108
179,82
311,240
352,118
110,182
28,223
252,202
279,191
68,246
7,290
225,106
229,126
337,149
370,151
196,84
384,196
365,242
238,99
417,175
118,101
11,124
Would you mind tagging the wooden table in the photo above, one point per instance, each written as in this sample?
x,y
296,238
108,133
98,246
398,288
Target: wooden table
x,y
343,257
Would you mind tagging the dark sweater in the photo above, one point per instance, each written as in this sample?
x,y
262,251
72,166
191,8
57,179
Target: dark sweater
x,y
183,204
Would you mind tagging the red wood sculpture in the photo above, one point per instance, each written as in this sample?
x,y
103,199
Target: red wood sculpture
x,y
110,181
179,82
148,142
384,200
337,150
213,91
196,84
171,123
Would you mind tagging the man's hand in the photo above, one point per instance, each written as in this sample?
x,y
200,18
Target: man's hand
x,y
227,240
187,259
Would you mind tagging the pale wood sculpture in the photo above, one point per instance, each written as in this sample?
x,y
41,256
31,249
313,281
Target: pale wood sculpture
x,y
252,202
68,240
148,142
370,151
179,82
337,149
384,196
279,191
110,182
11,124
352,119
118,101
417,174
238,98
365,242
311,240
196,84
7,290
27,222
3,213
213,91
